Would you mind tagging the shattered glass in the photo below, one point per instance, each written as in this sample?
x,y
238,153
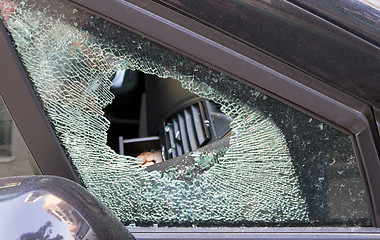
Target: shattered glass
x,y
282,167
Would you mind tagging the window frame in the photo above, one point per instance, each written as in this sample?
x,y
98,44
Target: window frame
x,y
28,114
229,56
281,81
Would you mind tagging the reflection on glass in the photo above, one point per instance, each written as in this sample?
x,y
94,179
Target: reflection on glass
x,y
15,158
5,135
281,168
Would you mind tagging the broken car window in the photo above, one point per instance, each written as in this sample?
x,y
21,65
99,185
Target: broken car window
x,y
257,161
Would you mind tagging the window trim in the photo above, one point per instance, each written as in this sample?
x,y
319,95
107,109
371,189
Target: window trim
x,y
295,233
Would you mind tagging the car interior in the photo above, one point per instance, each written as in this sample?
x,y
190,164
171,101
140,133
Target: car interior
x,y
154,114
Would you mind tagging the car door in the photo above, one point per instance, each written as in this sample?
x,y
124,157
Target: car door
x,y
300,157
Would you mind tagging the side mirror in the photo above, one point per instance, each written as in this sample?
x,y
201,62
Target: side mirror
x,y
54,208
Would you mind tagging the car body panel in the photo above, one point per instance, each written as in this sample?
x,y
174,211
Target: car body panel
x,y
292,34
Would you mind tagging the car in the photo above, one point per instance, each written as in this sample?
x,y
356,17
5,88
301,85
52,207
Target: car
x,y
262,116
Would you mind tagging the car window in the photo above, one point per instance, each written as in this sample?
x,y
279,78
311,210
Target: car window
x,y
259,162
15,158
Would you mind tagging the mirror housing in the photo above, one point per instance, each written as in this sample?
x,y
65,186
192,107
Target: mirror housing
x,y
50,207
